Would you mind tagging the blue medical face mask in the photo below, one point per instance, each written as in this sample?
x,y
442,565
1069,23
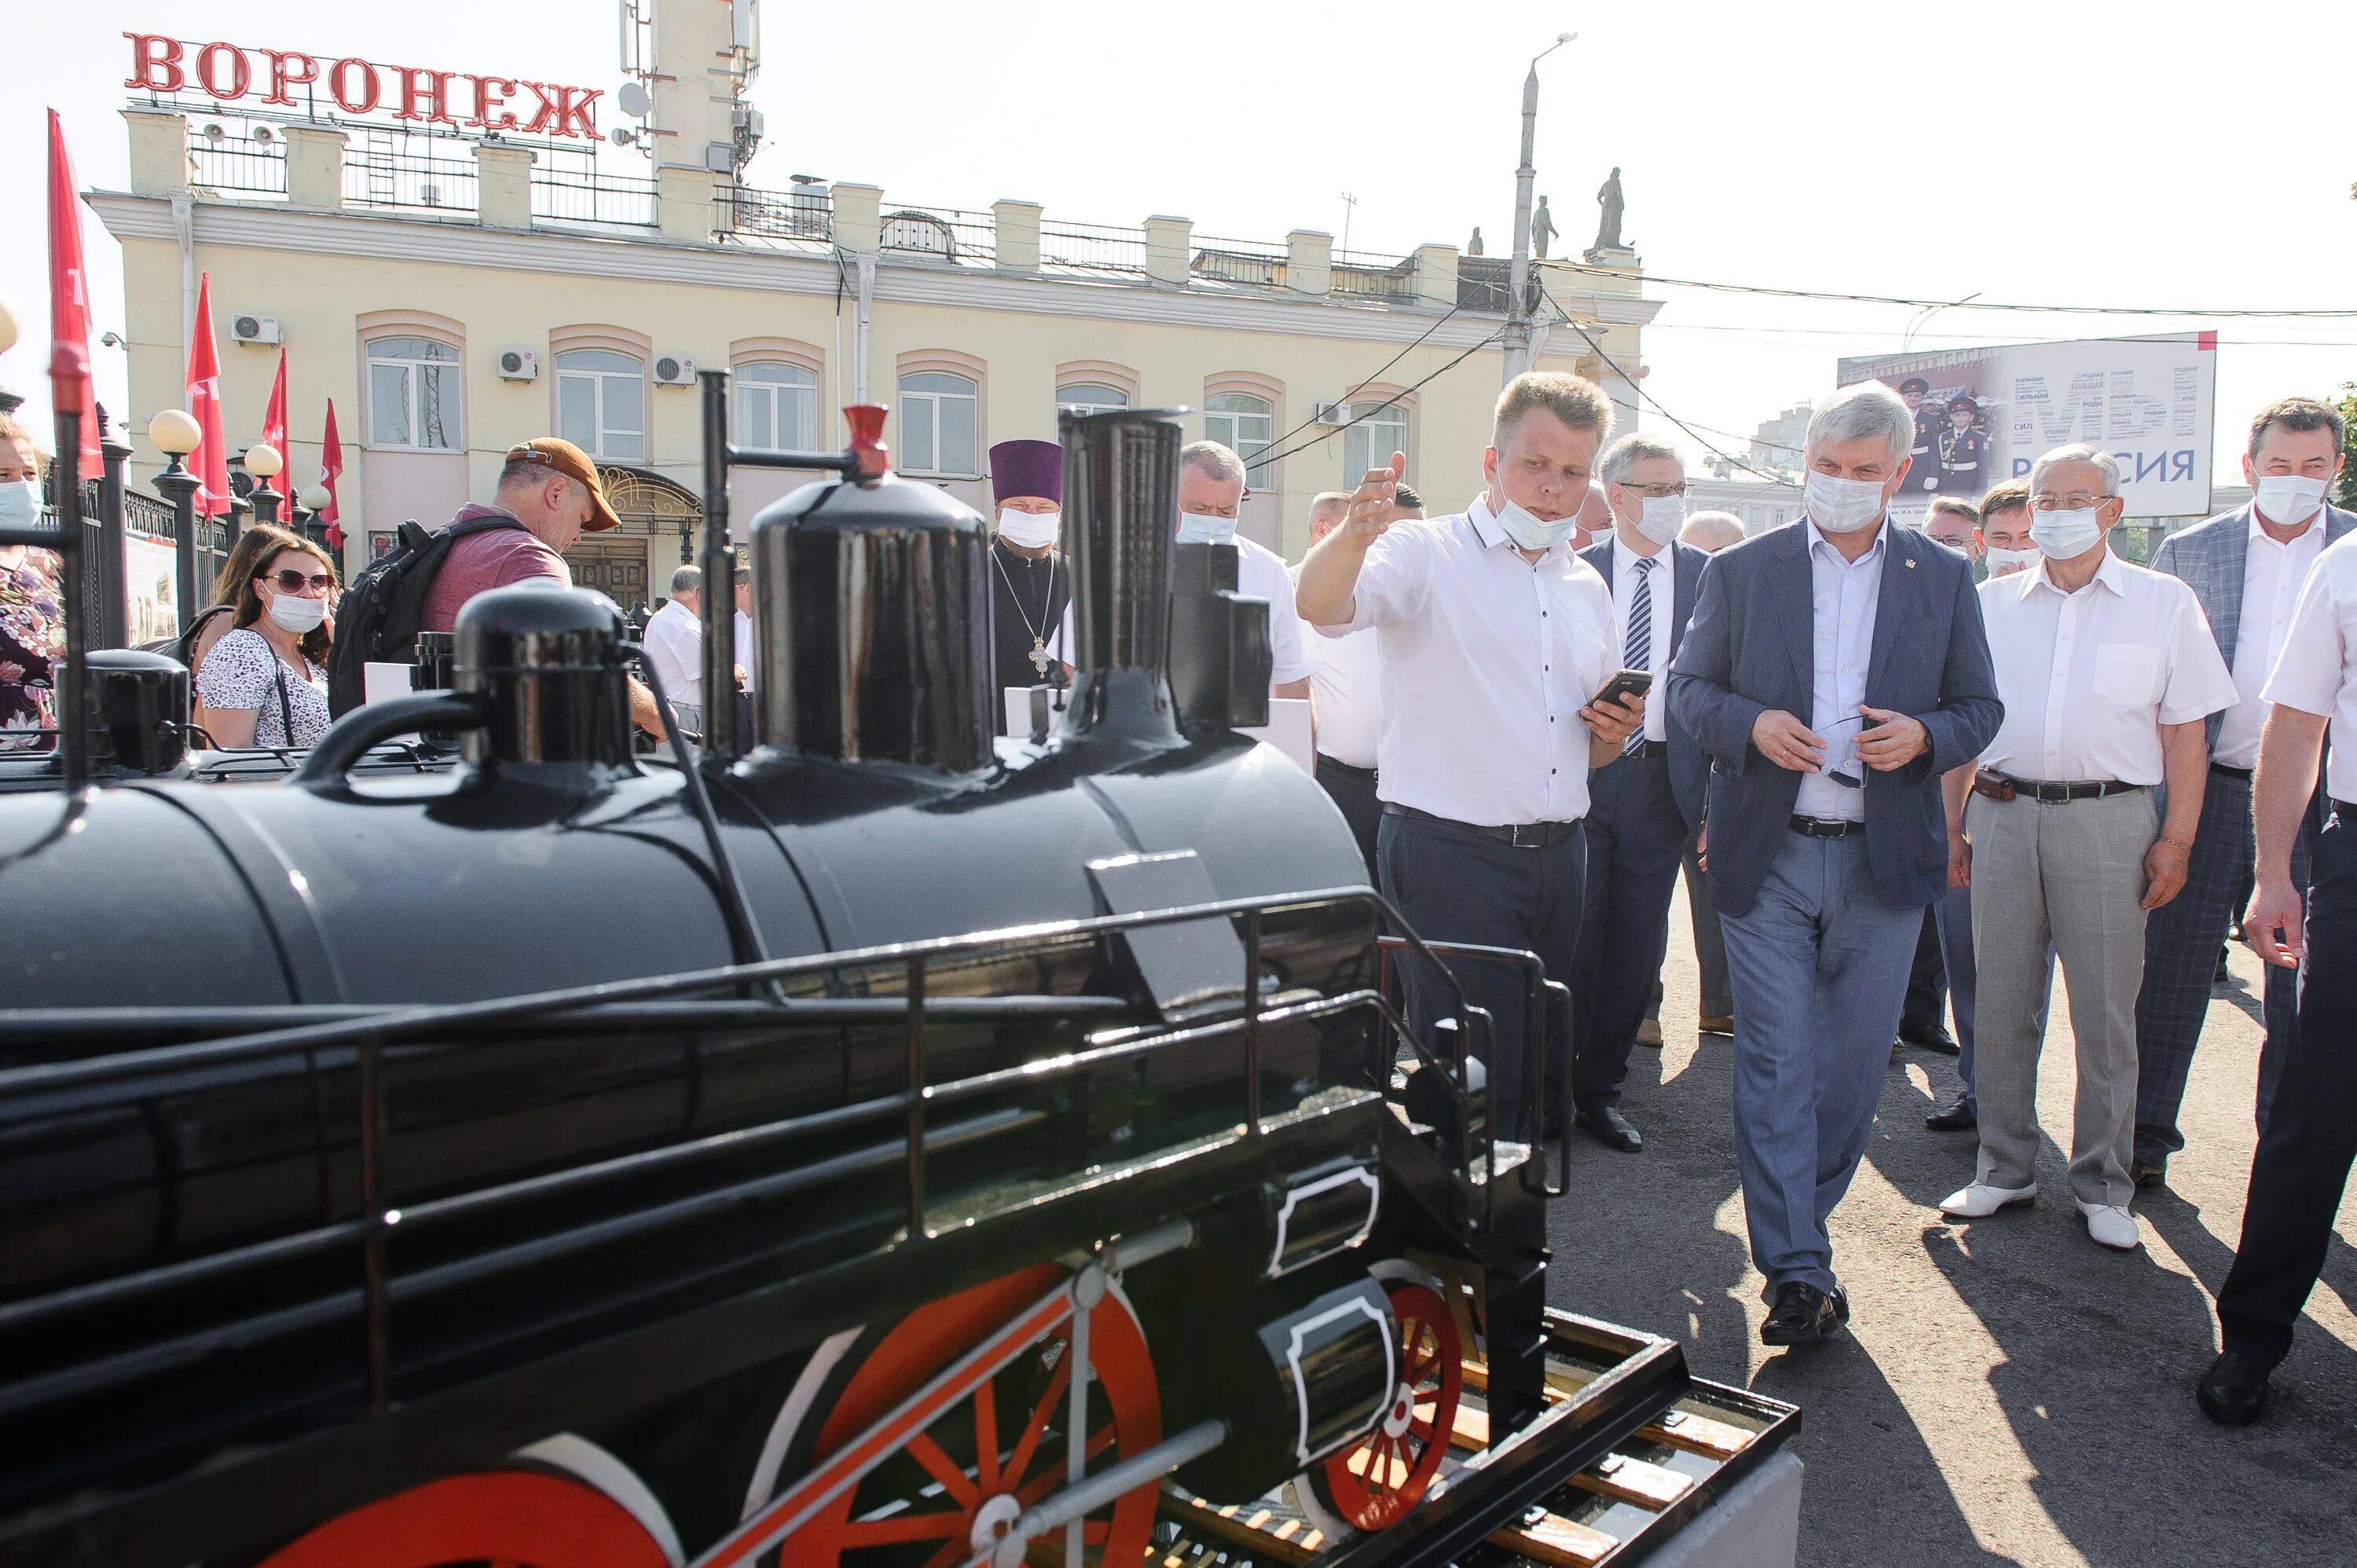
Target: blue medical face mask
x,y
1206,527
1528,529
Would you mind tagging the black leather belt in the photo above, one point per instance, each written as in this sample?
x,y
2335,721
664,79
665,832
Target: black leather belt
x,y
1647,748
1522,835
2050,792
2242,773
1349,770
2345,811
1826,827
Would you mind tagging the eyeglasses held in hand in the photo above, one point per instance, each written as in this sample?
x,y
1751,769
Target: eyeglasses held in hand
x,y
1848,780
293,582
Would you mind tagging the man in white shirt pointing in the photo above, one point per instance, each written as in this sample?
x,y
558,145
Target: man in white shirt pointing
x,y
1495,638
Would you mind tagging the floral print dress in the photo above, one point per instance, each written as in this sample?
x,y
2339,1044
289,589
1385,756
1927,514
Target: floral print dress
x,y
32,642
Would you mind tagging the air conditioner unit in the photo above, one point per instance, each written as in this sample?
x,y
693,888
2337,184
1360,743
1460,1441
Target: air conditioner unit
x,y
1333,414
674,371
519,365
262,329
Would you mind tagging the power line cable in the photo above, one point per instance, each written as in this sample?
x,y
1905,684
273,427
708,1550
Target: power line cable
x,y
1630,275
1638,387
1388,402
1346,397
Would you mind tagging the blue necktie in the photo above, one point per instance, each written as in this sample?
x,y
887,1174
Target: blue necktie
x,y
1639,653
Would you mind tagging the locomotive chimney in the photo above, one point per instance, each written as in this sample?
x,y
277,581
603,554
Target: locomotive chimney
x,y
874,617
548,663
1120,517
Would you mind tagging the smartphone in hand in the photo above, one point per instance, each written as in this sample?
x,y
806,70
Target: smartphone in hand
x,y
1628,682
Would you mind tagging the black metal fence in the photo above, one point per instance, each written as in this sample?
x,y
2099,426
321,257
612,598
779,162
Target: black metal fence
x,y
107,608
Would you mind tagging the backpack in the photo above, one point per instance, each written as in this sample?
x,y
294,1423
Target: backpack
x,y
184,647
377,621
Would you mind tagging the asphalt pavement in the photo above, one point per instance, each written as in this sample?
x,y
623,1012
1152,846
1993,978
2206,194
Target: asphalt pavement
x,y
2008,1393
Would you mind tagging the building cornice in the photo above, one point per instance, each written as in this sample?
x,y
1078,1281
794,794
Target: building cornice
x,y
385,237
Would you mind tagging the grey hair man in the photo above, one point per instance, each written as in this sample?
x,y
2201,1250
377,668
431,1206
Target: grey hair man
x,y
1347,689
1825,843
674,641
1212,493
1484,750
1645,805
2107,672
1711,531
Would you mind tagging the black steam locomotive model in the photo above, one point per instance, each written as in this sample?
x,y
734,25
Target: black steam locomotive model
x,y
885,1144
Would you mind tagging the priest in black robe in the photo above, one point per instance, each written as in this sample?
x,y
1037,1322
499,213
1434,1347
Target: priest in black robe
x,y
1030,580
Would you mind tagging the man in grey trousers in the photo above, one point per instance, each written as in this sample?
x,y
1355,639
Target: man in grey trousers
x,y
2107,672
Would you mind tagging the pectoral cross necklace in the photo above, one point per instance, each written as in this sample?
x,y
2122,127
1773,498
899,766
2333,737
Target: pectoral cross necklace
x,y
1039,655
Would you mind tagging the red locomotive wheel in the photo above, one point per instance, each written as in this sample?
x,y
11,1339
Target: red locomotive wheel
x,y
510,1519
953,1488
1378,1481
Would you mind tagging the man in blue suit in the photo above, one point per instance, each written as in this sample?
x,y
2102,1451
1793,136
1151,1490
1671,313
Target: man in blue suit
x,y
1645,806
1833,670
2246,567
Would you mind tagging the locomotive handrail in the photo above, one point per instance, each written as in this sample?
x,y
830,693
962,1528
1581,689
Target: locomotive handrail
x,y
354,735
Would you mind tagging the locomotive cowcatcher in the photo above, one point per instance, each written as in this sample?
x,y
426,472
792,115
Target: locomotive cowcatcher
x,y
884,1144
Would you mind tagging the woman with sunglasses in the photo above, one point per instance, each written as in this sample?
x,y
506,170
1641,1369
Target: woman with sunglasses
x,y
266,683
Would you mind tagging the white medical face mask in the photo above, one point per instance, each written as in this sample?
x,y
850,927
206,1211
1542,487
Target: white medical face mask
x,y
298,614
20,503
1531,532
1206,527
2288,498
1029,529
1841,506
2063,534
1664,516
2002,562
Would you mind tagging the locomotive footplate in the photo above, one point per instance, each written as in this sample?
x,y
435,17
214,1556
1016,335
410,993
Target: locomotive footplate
x,y
1632,1449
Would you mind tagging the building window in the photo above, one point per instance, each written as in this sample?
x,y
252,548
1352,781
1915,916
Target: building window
x,y
777,407
940,420
1245,426
1089,397
1369,441
412,393
601,402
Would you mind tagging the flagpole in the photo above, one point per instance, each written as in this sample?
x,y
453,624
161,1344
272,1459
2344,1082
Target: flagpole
x,y
69,389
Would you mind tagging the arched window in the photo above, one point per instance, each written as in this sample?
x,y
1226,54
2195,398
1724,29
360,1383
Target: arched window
x,y
1087,397
1245,425
601,402
777,406
940,425
412,392
1368,443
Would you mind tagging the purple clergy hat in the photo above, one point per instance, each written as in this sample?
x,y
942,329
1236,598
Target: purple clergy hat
x,y
1028,468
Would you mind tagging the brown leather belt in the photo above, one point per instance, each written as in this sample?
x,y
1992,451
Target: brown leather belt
x,y
2004,787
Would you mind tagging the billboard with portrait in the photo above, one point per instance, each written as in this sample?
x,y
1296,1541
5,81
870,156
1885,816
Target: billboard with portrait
x,y
1982,415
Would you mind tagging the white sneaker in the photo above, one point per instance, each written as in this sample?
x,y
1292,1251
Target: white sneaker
x,y
2112,1225
1978,1202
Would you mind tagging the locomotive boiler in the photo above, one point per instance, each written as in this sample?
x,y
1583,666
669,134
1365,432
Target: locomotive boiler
x,y
882,1143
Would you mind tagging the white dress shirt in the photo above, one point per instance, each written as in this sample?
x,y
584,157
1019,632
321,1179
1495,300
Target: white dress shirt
x,y
2316,672
2088,678
2272,576
675,642
1486,659
1843,596
1345,687
749,658
1663,570
1261,574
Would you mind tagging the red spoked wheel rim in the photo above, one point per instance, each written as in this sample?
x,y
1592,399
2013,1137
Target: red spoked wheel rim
x,y
508,1519
1378,1481
992,1452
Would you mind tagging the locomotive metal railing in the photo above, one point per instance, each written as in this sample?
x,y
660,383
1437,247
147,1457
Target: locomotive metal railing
x,y
369,1034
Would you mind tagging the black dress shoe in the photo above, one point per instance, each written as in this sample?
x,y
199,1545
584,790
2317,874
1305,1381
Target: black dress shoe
x,y
2155,1174
1803,1314
1956,1116
2234,1391
1608,1127
1933,1037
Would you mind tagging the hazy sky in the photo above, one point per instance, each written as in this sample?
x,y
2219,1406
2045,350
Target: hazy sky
x,y
2094,152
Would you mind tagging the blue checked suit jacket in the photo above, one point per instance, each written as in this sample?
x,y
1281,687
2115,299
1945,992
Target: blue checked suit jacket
x,y
2208,557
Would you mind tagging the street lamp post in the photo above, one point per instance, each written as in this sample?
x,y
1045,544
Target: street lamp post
x,y
264,464
175,435
1518,272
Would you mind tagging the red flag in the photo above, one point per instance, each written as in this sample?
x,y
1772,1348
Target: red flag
x,y
70,284
211,456
331,469
274,417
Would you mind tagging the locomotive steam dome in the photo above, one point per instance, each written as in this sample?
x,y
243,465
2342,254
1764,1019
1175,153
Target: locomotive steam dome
x,y
546,663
